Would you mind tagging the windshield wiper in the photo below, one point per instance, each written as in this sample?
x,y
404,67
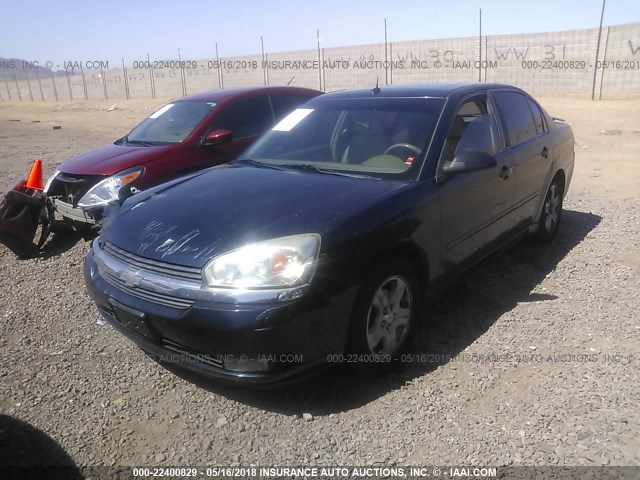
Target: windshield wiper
x,y
299,166
258,164
313,168
144,143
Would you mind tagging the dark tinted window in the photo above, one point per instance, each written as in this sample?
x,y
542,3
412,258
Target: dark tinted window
x,y
537,116
283,104
246,118
516,116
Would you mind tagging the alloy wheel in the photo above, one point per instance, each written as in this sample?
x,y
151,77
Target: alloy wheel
x,y
389,316
552,209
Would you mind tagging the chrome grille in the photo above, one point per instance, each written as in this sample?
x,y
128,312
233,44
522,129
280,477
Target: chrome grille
x,y
193,356
168,269
144,294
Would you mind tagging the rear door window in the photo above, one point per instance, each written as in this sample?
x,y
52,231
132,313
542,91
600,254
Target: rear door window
x,y
516,115
246,118
537,116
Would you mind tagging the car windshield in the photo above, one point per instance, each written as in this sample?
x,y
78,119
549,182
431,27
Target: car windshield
x,y
171,123
378,137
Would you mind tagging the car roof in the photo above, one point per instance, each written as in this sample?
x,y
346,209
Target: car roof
x,y
227,93
436,90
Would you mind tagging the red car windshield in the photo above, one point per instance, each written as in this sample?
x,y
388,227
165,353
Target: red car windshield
x,y
171,123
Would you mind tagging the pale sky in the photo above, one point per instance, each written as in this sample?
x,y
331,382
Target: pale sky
x,y
65,30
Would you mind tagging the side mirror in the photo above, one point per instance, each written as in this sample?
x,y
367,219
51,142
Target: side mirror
x,y
217,137
469,160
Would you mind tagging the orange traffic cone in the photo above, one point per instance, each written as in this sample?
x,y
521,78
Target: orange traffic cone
x,y
35,181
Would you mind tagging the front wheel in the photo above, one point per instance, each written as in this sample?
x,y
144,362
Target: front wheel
x,y
383,315
551,212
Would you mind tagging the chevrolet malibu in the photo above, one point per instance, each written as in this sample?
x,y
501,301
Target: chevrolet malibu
x,y
323,240
189,134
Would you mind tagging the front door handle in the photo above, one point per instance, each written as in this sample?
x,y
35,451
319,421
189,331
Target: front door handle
x,y
545,152
505,172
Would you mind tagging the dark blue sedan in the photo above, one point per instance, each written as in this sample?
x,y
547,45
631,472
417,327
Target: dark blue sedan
x,y
322,241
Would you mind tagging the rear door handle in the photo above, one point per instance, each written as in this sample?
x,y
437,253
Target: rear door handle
x,y
505,172
545,152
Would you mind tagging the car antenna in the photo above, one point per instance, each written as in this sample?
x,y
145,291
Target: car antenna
x,y
376,90
289,82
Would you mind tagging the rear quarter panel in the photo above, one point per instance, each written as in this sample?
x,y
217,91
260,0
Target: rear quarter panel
x,y
563,151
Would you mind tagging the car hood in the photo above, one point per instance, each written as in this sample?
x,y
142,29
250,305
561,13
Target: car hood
x,y
191,220
112,158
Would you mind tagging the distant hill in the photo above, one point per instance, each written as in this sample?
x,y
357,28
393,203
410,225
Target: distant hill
x,y
22,69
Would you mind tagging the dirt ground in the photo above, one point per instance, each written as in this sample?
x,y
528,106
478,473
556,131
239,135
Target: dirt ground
x,y
104,403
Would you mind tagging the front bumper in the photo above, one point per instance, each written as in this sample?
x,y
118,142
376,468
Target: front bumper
x,y
65,189
75,214
271,342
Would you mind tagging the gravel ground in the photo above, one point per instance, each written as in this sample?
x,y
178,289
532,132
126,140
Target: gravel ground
x,y
532,359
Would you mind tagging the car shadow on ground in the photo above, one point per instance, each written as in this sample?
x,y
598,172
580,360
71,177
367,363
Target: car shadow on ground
x,y
454,321
63,237
28,452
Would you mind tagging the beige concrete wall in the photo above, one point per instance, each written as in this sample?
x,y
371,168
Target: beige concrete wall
x,y
553,63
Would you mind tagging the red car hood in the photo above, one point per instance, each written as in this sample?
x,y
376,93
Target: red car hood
x,y
111,159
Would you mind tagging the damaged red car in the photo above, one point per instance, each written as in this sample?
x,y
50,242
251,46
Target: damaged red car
x,y
186,135
189,134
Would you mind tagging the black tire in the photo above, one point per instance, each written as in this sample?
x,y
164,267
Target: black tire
x,y
372,321
551,213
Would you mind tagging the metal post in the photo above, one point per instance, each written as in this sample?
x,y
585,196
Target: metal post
x,y
319,61
104,83
55,88
595,65
480,48
84,83
15,79
264,72
386,56
6,84
183,78
126,80
391,66
486,54
151,81
266,59
604,58
29,86
39,83
220,77
324,72
69,84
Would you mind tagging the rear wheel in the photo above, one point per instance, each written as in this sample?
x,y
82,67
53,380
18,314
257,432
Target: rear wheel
x,y
551,212
383,316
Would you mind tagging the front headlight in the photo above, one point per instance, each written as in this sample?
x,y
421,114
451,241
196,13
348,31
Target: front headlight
x,y
108,190
49,180
280,262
